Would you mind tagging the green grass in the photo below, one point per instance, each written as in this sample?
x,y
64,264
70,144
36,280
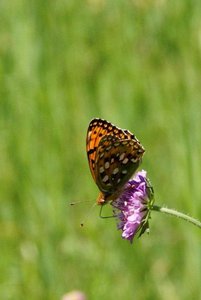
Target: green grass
x,y
138,65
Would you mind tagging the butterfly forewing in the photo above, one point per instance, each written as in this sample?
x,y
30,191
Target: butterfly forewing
x,y
97,129
115,163
113,154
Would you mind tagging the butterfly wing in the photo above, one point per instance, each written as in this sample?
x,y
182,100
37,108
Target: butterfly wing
x,y
97,129
115,163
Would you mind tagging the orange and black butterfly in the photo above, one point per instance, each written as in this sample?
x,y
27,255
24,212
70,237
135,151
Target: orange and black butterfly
x,y
114,155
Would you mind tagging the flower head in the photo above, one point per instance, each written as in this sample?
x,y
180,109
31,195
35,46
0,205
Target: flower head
x,y
132,207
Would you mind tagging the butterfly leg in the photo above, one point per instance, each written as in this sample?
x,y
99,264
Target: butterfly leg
x,y
105,217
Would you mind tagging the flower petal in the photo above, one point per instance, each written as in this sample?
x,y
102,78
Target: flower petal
x,y
131,207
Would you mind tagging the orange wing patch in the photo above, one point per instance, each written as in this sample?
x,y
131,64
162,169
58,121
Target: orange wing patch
x,y
113,154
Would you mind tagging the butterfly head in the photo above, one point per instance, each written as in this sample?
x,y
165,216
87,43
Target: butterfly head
x,y
101,199
104,198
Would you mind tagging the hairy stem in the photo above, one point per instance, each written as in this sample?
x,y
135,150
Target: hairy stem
x,y
177,214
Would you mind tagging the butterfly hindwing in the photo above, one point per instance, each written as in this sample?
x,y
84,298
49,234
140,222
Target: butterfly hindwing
x,y
115,163
114,155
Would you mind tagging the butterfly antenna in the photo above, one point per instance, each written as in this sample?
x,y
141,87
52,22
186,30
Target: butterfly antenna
x,y
81,201
87,215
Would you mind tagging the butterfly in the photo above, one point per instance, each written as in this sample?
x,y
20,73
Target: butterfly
x,y
114,155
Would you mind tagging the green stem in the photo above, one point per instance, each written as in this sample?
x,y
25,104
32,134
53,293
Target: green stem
x,y
177,214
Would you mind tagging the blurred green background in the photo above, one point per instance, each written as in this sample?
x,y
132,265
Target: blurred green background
x,y
62,63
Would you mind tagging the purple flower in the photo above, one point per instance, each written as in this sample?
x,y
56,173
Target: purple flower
x,y
132,207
